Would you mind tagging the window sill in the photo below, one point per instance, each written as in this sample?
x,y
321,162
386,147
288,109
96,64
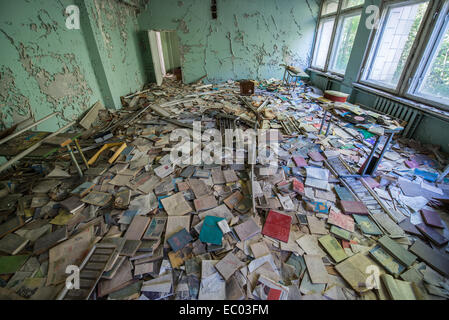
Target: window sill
x,y
326,74
441,114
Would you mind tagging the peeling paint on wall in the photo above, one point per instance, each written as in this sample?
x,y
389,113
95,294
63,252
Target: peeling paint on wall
x,y
46,67
248,40
10,95
66,89
117,34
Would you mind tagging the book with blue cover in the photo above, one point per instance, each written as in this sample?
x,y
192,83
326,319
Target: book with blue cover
x,y
210,231
179,240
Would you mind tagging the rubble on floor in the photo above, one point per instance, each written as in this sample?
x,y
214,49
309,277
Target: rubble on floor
x,y
141,227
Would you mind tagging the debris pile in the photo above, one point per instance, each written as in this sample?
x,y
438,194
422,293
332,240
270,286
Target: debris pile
x,y
139,225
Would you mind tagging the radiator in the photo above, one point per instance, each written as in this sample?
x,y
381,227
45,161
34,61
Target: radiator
x,y
400,111
322,83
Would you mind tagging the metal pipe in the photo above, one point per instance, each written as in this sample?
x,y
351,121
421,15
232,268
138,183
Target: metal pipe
x,y
328,126
15,134
371,155
384,149
323,121
80,172
34,147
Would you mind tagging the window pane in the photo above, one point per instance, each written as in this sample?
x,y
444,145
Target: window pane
x,y
344,42
329,6
399,32
322,42
352,3
436,80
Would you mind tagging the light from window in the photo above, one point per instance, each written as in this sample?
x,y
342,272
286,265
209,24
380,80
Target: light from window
x,y
435,84
352,3
329,7
347,30
322,42
398,35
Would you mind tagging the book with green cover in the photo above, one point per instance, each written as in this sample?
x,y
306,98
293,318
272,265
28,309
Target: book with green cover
x,y
366,225
391,264
397,251
10,264
340,233
333,248
210,231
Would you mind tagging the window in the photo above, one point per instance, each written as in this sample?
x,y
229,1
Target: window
x,y
339,37
399,30
324,39
409,54
344,41
431,82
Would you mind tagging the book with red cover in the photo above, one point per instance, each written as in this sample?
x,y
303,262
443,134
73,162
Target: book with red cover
x,y
274,294
432,234
432,218
300,162
354,207
316,156
298,186
277,226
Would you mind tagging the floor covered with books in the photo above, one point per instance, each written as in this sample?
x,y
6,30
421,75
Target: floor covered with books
x,y
105,212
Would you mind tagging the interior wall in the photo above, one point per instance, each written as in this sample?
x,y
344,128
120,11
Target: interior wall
x,y
46,67
116,32
248,40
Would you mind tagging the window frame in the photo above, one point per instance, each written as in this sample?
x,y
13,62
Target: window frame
x,y
323,19
338,33
436,12
336,15
441,24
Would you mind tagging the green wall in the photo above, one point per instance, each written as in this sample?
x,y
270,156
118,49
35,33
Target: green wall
x,y
46,67
248,40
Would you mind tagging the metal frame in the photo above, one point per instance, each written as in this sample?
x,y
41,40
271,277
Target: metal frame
x,y
336,15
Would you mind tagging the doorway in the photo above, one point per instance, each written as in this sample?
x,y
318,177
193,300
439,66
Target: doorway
x,y
166,55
